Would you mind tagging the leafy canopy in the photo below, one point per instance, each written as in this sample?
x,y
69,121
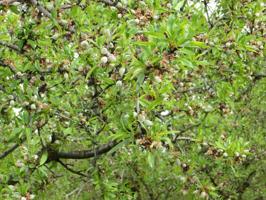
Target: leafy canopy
x,y
132,100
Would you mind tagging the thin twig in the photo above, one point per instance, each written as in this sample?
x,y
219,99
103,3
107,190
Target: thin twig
x,y
49,15
41,8
185,130
78,189
207,12
186,139
11,67
189,128
71,170
100,130
16,49
67,6
8,2
141,180
248,89
11,46
247,183
11,149
114,4
183,6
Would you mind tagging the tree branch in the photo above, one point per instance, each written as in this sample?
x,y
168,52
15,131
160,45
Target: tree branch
x,y
17,49
11,67
49,15
183,6
189,128
8,2
9,151
55,155
114,4
247,182
186,139
10,46
41,8
258,76
207,12
248,89
71,170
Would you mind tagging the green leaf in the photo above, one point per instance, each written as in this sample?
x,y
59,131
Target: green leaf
x,y
75,10
14,9
187,63
157,35
144,44
44,157
151,159
119,146
197,44
91,71
28,135
137,72
68,131
25,117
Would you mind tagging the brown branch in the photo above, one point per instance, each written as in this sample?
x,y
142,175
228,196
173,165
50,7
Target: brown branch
x,y
49,15
71,170
10,150
11,46
186,139
56,155
41,8
258,76
67,6
247,182
248,89
17,49
183,6
222,193
108,2
189,128
141,180
114,4
8,2
11,67
183,131
207,12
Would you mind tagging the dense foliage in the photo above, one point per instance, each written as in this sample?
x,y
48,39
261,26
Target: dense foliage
x,y
132,100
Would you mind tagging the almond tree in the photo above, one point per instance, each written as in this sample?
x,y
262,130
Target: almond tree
x,y
132,99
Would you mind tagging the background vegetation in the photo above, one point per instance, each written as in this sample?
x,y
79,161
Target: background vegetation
x,y
132,99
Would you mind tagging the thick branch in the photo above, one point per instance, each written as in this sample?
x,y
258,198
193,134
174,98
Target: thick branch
x,y
55,155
